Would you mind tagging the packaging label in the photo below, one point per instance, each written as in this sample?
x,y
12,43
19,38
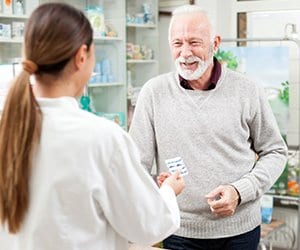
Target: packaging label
x,y
176,163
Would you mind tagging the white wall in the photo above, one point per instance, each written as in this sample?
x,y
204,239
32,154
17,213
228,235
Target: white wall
x,y
165,60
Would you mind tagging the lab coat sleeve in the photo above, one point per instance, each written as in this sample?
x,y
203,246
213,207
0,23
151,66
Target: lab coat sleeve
x,y
133,204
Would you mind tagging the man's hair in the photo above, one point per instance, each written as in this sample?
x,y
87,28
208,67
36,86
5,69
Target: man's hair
x,y
186,9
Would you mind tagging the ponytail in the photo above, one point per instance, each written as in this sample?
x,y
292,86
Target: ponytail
x,y
20,127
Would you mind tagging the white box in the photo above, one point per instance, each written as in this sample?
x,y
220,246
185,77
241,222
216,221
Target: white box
x,y
17,29
5,31
18,7
7,6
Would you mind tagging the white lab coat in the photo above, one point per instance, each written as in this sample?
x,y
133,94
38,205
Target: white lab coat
x,y
87,189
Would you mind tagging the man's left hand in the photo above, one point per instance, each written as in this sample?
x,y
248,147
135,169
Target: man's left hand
x,y
223,200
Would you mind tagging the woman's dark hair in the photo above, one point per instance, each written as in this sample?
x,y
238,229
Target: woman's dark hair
x,y
53,35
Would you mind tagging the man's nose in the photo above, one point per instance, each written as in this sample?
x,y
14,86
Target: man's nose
x,y
186,50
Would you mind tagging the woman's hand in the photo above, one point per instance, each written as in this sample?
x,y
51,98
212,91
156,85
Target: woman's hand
x,y
161,177
175,181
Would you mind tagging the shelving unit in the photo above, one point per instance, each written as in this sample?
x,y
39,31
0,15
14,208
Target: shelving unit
x,y
8,19
286,200
142,69
108,90
141,61
142,46
10,46
110,96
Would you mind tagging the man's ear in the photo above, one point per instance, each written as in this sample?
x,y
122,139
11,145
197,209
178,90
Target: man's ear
x,y
217,41
80,56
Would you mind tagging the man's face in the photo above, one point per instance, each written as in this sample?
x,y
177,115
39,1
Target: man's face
x,y
191,46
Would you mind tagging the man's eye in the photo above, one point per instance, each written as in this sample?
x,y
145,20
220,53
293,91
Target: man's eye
x,y
196,43
177,44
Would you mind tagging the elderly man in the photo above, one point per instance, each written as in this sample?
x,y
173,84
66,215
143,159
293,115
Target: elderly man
x,y
219,125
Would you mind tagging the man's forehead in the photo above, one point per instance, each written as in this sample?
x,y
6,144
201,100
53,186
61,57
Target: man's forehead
x,y
191,22
185,28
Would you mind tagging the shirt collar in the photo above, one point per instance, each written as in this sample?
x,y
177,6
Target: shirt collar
x,y
65,101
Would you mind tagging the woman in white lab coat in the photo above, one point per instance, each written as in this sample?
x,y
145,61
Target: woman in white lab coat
x,y
70,179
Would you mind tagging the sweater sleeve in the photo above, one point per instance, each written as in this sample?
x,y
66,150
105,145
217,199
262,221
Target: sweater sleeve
x,y
268,143
142,127
132,202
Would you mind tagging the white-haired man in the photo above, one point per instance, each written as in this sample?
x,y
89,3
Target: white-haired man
x,y
218,124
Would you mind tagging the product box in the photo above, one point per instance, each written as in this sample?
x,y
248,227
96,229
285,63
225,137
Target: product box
x,y
5,31
95,14
293,174
266,208
7,6
18,7
292,184
17,29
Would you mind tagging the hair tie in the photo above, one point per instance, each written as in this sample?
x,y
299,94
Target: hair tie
x,y
29,66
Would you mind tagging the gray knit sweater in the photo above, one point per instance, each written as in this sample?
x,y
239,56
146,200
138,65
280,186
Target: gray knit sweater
x,y
217,133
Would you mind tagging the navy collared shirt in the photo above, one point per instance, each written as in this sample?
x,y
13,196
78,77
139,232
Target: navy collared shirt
x,y
216,73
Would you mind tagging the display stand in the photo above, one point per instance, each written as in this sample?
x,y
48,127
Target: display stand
x,y
267,233
296,42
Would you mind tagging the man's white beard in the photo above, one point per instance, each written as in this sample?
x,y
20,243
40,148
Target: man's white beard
x,y
196,74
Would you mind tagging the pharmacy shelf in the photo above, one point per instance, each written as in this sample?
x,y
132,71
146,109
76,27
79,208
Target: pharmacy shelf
x,y
284,199
104,84
141,61
137,25
11,40
12,16
104,39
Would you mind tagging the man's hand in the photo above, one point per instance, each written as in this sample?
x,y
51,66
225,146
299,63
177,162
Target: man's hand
x,y
223,200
